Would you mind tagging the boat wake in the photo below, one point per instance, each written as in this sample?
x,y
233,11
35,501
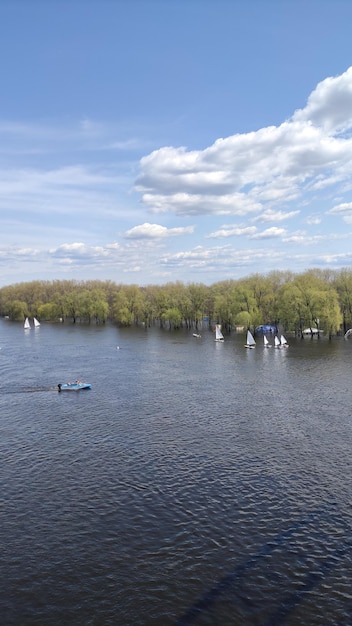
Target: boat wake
x,y
27,390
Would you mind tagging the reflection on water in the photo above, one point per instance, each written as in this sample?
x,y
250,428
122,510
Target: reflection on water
x,y
195,483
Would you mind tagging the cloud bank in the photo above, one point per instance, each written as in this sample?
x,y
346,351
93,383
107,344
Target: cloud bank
x,y
256,172
279,196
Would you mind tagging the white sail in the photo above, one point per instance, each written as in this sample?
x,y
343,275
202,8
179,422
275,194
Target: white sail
x,y
277,342
283,341
250,340
266,342
36,323
26,324
218,334
348,333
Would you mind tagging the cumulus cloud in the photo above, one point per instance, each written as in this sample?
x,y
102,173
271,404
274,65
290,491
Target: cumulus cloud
x,y
330,104
182,203
79,251
254,172
288,174
156,231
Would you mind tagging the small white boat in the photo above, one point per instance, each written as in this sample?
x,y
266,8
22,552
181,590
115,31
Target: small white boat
x,y
218,334
26,324
277,343
283,342
197,335
266,342
250,340
36,323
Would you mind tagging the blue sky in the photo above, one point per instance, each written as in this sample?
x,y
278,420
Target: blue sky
x,y
148,141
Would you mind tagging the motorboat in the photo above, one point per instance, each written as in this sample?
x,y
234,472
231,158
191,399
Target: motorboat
x,y
76,386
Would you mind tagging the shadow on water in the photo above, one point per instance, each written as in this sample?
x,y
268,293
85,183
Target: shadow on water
x,y
277,603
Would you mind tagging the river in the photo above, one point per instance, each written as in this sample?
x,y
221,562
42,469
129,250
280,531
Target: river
x,y
195,483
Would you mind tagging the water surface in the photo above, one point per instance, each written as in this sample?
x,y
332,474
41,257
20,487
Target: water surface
x,y
195,483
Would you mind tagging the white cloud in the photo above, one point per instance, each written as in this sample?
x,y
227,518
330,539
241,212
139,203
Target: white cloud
x,y
313,220
275,216
233,231
330,104
299,237
304,238
79,250
343,210
196,204
253,172
223,261
270,233
289,174
156,231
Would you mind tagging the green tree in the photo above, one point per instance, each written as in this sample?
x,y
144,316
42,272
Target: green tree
x,y
309,301
18,310
343,285
245,305
121,311
173,316
48,312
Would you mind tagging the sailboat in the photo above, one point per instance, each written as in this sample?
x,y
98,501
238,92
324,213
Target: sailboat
x,y
26,324
218,334
36,323
250,340
277,342
283,342
266,342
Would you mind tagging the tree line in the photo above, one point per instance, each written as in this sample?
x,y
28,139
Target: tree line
x,y
315,298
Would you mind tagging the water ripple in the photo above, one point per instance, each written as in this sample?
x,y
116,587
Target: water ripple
x,y
194,484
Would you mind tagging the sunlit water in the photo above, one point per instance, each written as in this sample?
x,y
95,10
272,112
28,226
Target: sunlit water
x,y
195,483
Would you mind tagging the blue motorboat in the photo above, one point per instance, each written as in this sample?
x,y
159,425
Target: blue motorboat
x,y
76,386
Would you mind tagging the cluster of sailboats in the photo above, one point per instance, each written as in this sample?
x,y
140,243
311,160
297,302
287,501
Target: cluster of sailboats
x,y
279,342
27,324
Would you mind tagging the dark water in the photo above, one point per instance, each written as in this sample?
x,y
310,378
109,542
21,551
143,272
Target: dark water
x,y
195,483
